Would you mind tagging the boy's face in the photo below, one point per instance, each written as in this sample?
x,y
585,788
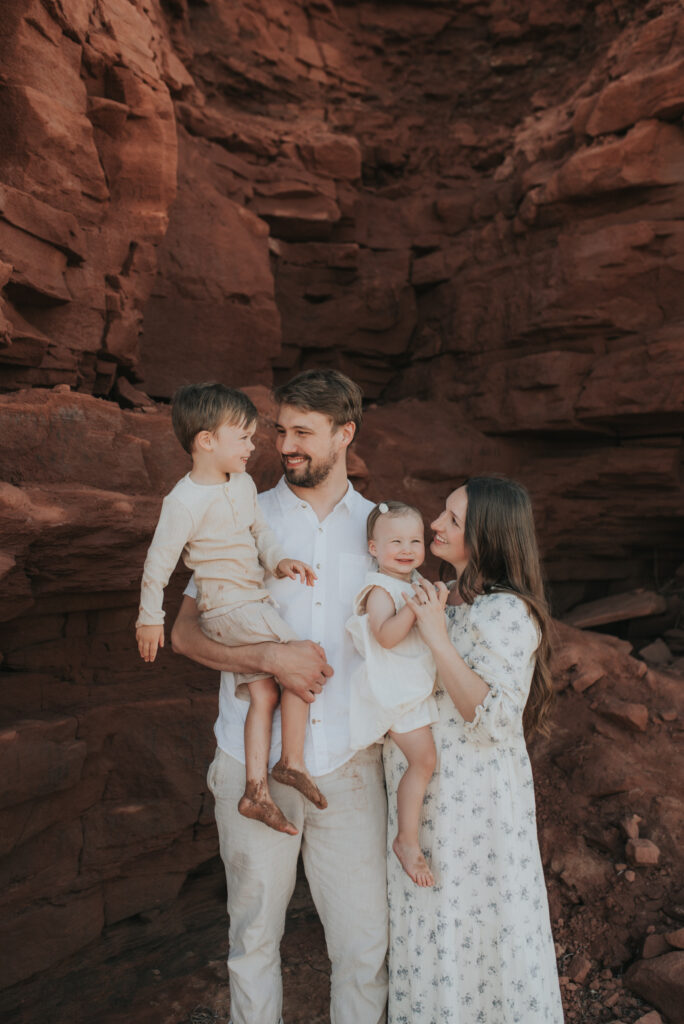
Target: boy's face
x,y
308,445
398,544
231,446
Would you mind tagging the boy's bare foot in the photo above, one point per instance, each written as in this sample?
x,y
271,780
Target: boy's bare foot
x,y
413,862
300,780
256,803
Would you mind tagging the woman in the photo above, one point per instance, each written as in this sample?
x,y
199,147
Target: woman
x,y
477,947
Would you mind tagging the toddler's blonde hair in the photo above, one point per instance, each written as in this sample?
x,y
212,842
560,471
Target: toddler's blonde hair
x,y
391,509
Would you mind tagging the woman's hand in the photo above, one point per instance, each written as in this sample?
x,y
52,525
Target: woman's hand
x,y
465,687
428,603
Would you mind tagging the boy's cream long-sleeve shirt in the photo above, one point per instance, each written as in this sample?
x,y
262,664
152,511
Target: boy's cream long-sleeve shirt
x,y
223,537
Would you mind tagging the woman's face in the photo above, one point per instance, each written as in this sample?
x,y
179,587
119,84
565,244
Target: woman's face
x,y
448,542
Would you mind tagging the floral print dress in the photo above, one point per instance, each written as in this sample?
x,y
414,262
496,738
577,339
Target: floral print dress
x,y
477,947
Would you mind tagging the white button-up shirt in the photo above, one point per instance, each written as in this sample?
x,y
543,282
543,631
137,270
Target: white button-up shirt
x,y
337,550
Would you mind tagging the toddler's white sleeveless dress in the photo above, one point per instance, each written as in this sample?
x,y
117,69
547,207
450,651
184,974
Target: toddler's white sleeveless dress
x,y
392,688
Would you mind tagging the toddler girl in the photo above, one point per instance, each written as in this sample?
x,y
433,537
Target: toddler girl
x,y
392,691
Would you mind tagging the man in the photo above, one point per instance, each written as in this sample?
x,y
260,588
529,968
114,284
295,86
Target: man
x,y
315,512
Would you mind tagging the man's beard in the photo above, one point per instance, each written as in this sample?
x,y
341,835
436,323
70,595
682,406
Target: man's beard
x,y
309,475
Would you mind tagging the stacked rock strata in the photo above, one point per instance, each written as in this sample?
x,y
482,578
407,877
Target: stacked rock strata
x,y
476,214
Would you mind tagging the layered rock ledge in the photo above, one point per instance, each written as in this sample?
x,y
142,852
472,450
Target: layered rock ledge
x,y
473,209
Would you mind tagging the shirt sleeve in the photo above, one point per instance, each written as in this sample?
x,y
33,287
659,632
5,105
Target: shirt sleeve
x,y
505,640
270,551
172,534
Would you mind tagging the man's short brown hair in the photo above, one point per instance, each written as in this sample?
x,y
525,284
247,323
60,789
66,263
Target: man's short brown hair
x,y
199,407
326,391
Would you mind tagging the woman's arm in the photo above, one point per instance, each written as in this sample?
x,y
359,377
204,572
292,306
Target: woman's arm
x,y
465,687
388,626
300,666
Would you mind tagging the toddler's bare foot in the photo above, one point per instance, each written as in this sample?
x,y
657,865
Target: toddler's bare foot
x,y
413,862
301,780
256,803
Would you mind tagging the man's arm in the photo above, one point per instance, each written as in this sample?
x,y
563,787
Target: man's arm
x,y
300,665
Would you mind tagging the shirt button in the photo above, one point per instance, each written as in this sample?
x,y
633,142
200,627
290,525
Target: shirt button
x,y
303,506
318,604
320,529
318,565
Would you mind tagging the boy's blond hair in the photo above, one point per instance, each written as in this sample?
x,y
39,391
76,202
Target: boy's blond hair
x,y
198,407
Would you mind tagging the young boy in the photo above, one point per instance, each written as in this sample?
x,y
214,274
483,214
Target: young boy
x,y
212,518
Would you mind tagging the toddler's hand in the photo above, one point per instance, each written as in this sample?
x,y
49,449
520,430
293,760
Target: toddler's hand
x,y
149,638
293,568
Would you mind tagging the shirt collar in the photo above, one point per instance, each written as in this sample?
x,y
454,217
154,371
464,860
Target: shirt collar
x,y
289,500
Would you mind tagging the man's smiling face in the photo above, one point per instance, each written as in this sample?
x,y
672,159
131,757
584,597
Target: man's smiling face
x,y
308,444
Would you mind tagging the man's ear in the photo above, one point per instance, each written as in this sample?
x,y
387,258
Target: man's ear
x,y
347,432
204,440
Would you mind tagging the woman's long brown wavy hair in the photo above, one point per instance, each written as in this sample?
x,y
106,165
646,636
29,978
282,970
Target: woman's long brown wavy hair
x,y
503,557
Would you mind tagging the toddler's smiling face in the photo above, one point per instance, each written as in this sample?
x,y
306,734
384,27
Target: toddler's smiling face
x,y
398,544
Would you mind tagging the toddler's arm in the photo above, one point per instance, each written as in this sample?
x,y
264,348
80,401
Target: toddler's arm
x,y
170,537
150,639
293,568
388,626
270,551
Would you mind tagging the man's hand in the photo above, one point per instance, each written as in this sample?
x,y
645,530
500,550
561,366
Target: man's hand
x,y
149,638
301,668
293,568
299,665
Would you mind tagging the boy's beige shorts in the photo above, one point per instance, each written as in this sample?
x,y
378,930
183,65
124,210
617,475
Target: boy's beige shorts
x,y
251,623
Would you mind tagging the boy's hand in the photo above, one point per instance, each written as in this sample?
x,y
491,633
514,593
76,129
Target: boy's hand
x,y
293,568
149,638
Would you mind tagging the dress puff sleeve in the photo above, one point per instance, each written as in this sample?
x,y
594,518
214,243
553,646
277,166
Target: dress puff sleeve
x,y
505,639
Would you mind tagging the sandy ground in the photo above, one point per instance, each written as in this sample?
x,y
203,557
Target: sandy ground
x,y
201,996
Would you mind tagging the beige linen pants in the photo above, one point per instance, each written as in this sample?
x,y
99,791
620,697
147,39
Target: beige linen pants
x,y
344,850
250,623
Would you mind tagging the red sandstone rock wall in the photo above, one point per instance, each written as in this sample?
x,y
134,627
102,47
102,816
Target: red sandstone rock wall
x,y
473,208
460,203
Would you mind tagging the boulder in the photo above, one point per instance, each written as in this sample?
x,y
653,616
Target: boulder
x,y
630,826
654,945
579,968
631,716
656,653
617,608
642,852
650,1018
661,982
676,938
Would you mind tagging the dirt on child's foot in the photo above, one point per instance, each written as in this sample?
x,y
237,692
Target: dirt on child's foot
x,y
256,803
413,862
300,780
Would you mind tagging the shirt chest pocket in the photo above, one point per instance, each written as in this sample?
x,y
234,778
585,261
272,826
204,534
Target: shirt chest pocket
x,y
353,569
